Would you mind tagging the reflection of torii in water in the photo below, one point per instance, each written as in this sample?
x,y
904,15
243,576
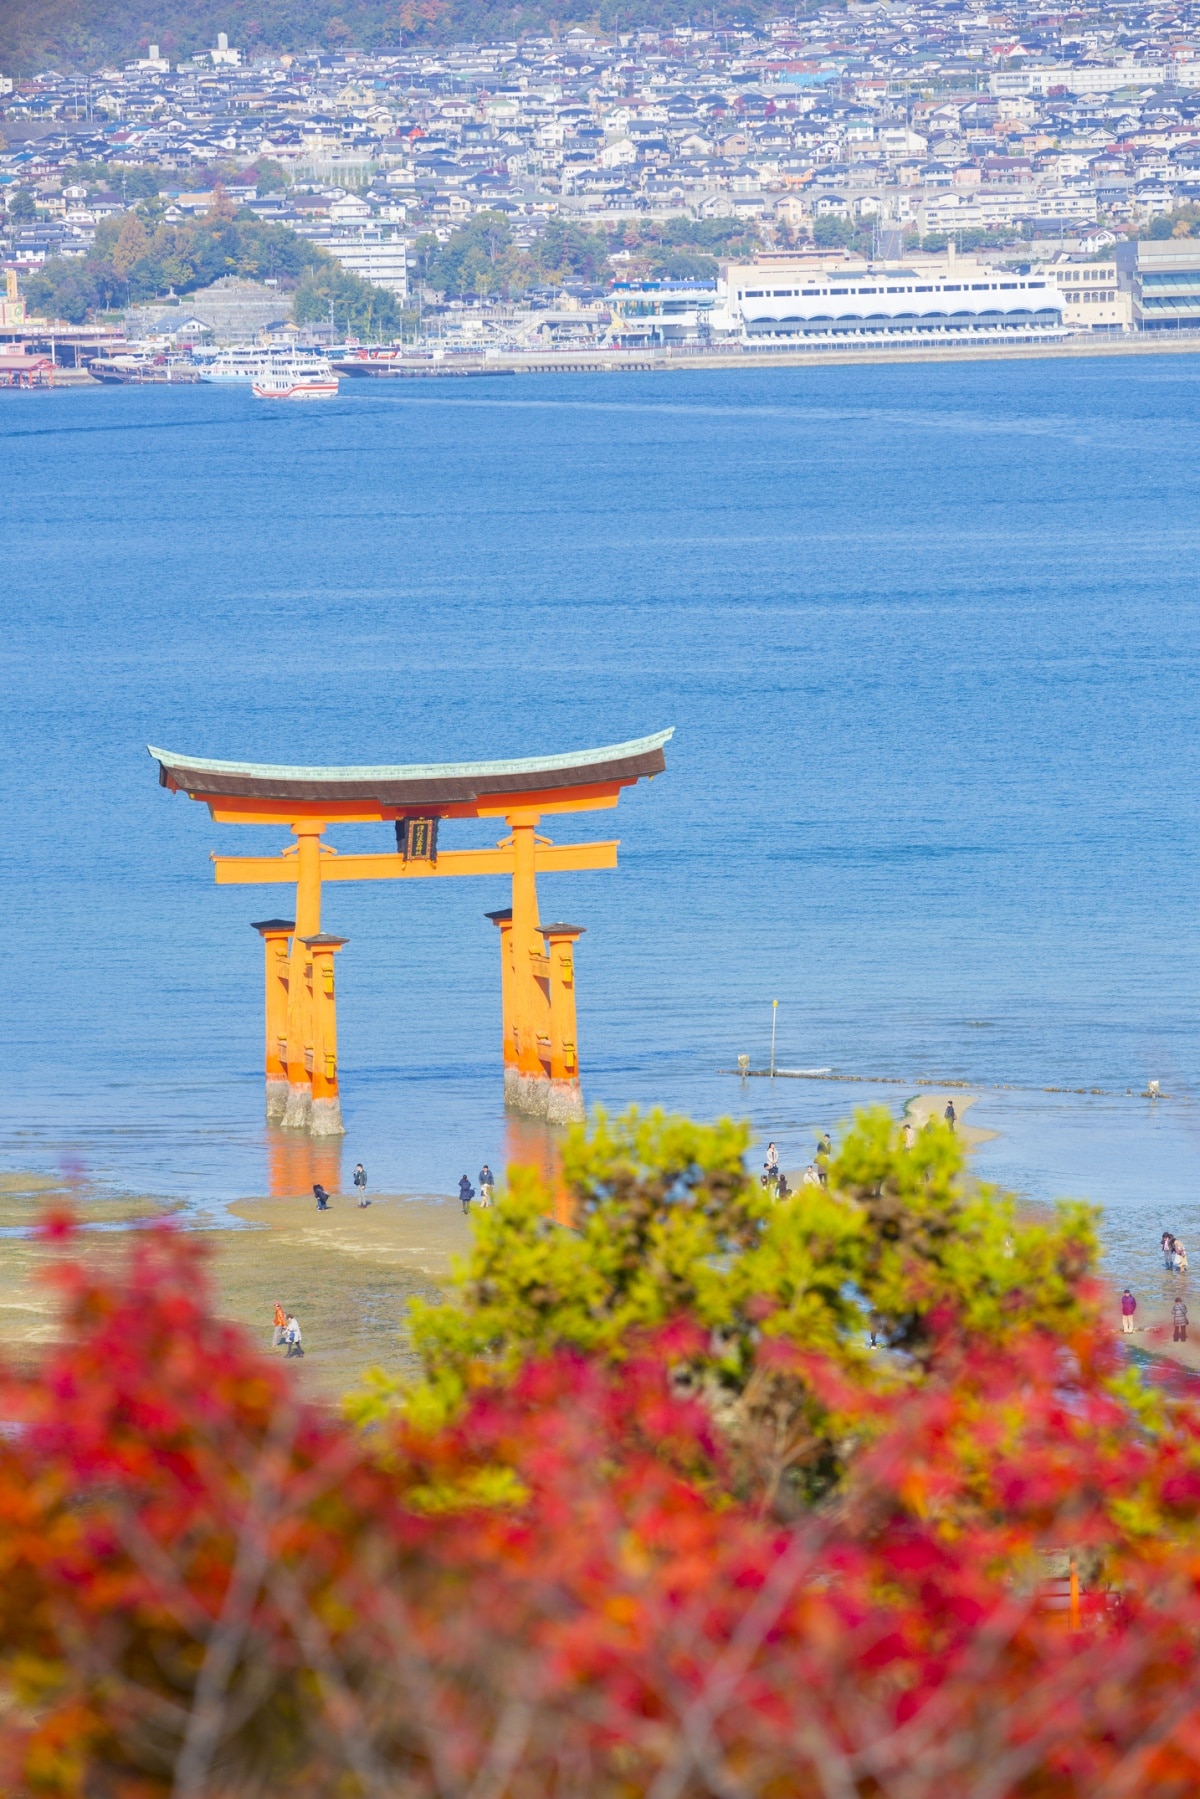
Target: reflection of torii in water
x,y
541,1065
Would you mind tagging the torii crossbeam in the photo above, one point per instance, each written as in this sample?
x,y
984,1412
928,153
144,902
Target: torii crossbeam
x,y
537,962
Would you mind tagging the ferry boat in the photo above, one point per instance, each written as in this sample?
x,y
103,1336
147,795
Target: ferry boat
x,y
247,363
300,378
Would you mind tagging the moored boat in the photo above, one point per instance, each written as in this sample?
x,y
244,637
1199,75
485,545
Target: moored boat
x,y
247,363
296,378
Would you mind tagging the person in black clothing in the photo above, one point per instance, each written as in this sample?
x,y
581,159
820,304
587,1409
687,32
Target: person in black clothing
x,y
360,1181
466,1193
950,1115
322,1197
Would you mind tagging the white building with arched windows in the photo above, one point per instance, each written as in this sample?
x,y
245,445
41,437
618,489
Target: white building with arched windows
x,y
818,304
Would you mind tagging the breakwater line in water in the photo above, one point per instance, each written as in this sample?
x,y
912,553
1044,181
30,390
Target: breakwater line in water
x,y
925,1080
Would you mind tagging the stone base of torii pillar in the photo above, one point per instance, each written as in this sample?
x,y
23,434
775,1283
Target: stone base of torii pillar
x,y
277,1099
539,1096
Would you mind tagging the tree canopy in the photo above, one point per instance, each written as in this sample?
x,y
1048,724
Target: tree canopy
x,y
481,257
566,1584
139,255
901,1247
84,34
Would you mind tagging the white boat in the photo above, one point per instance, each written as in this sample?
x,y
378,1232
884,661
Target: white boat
x,y
298,379
247,363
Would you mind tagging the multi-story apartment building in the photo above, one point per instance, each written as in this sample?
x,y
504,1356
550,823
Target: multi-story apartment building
x,y
1164,284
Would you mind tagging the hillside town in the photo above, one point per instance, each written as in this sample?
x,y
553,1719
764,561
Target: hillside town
x,y
705,186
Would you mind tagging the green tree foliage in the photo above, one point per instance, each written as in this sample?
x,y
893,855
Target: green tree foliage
x,y
140,184
138,255
1183,221
481,258
84,34
22,207
68,288
832,232
683,265
329,293
668,1222
684,249
478,258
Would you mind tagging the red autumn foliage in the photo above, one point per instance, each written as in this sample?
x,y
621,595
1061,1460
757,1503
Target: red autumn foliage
x,y
211,1587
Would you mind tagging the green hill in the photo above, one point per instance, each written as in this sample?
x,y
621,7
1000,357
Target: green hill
x,y
83,34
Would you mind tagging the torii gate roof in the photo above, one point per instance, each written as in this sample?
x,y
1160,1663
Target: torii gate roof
x,y
418,784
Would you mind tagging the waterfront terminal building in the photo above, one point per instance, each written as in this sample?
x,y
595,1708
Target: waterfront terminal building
x,y
957,300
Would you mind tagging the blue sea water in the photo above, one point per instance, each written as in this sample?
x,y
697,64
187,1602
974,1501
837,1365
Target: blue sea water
x,y
930,641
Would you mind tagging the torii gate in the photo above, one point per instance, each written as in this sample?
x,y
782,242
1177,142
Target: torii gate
x,y
537,962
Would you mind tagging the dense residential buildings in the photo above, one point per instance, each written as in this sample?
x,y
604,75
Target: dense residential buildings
x,y
865,142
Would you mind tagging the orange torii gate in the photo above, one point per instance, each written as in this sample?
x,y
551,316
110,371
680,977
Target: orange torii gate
x,y
537,962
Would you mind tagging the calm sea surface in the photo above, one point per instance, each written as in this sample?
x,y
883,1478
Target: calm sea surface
x,y
930,640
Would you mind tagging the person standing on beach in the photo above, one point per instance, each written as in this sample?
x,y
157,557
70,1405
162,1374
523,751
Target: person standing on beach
x,y
466,1193
291,1336
950,1115
279,1327
487,1186
1128,1308
1179,1319
360,1181
771,1165
1168,1248
909,1133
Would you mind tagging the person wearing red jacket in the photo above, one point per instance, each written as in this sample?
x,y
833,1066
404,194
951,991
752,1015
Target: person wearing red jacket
x,y
1128,1308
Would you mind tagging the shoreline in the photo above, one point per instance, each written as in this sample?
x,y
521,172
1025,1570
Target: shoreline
x,y
1133,345
660,362
349,1273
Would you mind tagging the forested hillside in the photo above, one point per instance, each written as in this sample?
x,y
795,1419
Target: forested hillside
x,y
39,34
139,255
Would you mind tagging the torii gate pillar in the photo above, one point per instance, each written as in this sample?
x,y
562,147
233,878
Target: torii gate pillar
x,y
298,1111
325,1117
553,1092
275,933
564,1099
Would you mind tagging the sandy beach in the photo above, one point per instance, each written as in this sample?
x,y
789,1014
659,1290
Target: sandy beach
x,y
349,1273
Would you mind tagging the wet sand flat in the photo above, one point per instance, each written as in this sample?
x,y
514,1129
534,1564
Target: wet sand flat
x,y
347,1274
933,1106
